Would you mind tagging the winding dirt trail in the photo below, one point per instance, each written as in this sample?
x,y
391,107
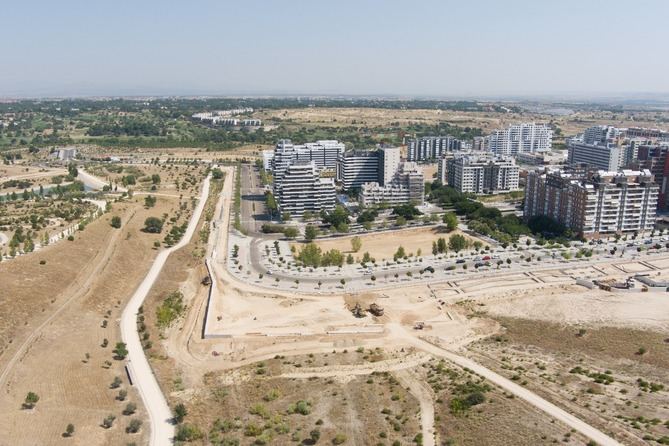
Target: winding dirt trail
x,y
426,401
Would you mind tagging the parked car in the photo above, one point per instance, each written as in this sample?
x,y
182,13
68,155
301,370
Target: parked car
x,y
460,261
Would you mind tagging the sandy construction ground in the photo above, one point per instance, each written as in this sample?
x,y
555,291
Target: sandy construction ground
x,y
383,245
576,305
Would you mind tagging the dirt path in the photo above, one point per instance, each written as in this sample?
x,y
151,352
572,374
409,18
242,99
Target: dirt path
x,y
551,409
424,396
160,415
342,371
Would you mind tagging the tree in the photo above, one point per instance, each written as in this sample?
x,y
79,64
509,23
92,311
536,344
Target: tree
x,y
153,225
270,203
72,170
408,211
457,242
116,222
336,218
401,221
435,249
441,245
349,259
310,232
122,394
155,178
290,232
451,221
69,430
120,350
149,201
343,282
315,435
31,400
180,412
400,253
216,173
356,244
116,383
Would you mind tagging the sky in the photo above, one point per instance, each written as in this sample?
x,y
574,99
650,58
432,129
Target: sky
x,y
436,48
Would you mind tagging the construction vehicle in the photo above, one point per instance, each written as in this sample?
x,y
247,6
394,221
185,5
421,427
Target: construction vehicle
x,y
376,310
357,310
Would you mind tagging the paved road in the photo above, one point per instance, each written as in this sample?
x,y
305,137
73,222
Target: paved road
x,y
160,415
570,420
253,200
357,281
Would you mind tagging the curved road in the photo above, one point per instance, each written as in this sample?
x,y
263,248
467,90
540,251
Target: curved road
x,y
160,415
400,333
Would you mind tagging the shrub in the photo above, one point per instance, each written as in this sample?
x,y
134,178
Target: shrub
x,y
171,308
339,439
130,409
188,432
134,426
180,412
120,350
302,407
108,421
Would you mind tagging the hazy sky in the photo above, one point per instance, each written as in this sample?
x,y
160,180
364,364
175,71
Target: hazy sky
x,y
412,47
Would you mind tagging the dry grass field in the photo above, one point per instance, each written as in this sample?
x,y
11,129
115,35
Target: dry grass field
x,y
383,245
60,306
486,120
499,420
255,403
614,378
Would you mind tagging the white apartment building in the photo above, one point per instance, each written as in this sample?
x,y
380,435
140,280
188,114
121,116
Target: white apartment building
x,y
267,159
594,203
324,154
431,147
602,134
67,154
357,167
442,170
389,164
520,138
251,122
608,157
216,117
407,187
303,189
480,174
